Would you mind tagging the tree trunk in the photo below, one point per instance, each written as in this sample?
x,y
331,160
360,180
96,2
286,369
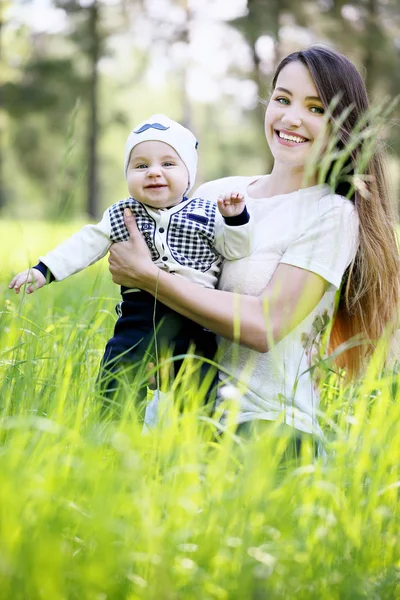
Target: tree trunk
x,y
186,103
94,53
372,40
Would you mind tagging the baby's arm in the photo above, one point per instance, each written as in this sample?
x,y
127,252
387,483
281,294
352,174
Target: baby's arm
x,y
31,276
82,249
231,205
74,254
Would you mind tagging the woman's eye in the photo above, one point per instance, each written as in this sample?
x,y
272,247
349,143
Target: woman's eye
x,y
282,100
318,110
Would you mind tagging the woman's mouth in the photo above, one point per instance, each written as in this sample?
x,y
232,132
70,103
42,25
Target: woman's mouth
x,y
290,138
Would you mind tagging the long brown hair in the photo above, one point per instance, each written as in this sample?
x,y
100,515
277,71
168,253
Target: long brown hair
x,y
368,305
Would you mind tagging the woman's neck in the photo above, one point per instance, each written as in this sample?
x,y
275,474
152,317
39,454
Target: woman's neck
x,y
282,180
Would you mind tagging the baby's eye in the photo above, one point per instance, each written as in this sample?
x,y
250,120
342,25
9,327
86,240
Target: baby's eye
x,y
318,110
141,166
168,163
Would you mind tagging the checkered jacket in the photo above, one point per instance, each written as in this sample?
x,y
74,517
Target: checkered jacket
x,y
189,239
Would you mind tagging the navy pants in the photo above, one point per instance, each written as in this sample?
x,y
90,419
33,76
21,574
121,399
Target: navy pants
x,y
144,328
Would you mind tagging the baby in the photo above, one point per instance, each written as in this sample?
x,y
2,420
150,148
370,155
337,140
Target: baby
x,y
187,237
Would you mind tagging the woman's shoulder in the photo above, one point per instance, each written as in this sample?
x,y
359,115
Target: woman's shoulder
x,y
330,199
212,189
330,203
337,211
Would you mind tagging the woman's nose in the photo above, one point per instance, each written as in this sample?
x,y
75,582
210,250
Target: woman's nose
x,y
291,117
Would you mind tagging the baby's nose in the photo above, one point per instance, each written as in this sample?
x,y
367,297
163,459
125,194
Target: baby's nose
x,y
154,170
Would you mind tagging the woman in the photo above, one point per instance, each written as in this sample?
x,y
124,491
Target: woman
x,y
310,241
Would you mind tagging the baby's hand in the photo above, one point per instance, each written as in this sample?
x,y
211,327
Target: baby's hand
x,y
33,276
231,205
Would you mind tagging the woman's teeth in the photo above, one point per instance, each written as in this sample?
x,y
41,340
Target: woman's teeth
x,y
291,138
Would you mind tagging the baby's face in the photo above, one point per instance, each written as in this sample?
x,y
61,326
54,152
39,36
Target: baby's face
x,y
156,175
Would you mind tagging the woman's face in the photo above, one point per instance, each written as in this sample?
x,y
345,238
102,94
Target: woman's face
x,y
294,118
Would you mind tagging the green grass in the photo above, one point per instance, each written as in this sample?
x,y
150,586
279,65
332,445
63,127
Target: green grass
x,y
92,510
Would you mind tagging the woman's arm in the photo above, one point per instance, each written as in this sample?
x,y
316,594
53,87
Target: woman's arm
x,y
254,321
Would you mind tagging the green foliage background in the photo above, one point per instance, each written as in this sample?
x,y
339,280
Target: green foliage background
x,y
91,509
70,97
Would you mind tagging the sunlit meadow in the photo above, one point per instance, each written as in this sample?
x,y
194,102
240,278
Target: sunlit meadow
x,y
95,510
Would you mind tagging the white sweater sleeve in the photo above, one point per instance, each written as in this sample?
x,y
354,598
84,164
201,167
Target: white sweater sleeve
x,y
79,251
232,241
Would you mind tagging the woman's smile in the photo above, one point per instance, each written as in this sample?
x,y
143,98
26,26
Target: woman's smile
x,y
290,138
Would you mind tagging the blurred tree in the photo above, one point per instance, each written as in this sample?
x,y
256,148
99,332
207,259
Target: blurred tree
x,y
59,69
171,31
39,94
89,37
183,36
264,18
369,32
44,74
94,48
36,96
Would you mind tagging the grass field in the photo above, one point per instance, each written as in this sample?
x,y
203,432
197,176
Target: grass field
x,y
98,511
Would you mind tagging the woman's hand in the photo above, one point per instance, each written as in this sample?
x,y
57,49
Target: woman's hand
x,y
130,262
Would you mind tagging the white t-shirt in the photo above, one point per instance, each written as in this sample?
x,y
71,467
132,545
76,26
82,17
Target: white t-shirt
x,y
313,229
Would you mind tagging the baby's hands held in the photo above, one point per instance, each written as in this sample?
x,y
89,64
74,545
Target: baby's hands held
x,y
30,276
231,205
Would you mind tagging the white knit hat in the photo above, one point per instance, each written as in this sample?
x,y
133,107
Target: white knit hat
x,y
162,129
